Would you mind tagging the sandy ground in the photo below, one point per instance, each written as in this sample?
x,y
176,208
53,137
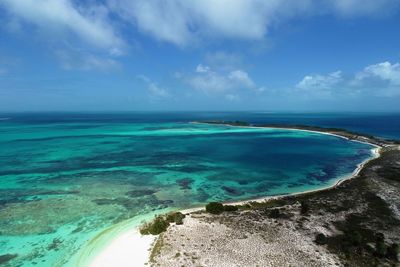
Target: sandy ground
x,y
252,240
128,249
118,246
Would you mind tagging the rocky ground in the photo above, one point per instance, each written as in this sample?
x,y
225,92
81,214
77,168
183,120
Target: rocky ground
x,y
354,224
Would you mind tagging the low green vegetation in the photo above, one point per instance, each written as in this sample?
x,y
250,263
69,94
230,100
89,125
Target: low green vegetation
x,y
274,213
272,203
218,208
175,217
157,226
320,239
304,207
160,223
393,252
390,173
156,249
360,245
215,208
230,208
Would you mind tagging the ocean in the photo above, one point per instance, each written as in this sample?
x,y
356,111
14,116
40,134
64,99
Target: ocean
x,y
65,177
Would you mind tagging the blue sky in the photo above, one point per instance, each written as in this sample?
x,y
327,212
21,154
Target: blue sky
x,y
278,55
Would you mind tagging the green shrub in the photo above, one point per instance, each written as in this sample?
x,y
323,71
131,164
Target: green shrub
x,y
305,208
157,226
175,217
379,237
380,248
274,213
215,207
354,238
230,208
320,239
392,252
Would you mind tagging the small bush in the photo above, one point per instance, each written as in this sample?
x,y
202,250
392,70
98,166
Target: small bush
x,y
380,246
379,237
175,217
354,238
274,213
215,207
392,252
320,239
157,226
305,208
230,208
380,249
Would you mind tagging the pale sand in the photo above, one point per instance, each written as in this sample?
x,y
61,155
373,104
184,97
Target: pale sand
x,y
129,248
120,245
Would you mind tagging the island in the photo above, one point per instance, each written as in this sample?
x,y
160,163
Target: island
x,y
355,222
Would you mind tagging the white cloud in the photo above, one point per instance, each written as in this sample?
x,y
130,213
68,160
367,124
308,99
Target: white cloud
x,y
381,79
202,69
179,22
156,92
242,78
62,17
384,71
182,22
320,82
210,81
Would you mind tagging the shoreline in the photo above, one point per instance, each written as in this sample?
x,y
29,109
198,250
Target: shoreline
x,y
127,247
289,129
338,182
119,245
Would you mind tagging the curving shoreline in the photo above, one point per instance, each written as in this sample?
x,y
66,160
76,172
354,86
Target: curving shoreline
x,y
125,246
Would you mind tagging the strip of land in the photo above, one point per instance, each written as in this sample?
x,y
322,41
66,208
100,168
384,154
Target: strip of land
x,y
359,137
353,222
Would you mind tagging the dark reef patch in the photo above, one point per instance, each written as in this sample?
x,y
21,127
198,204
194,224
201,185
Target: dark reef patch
x,y
5,258
231,190
8,196
185,183
55,244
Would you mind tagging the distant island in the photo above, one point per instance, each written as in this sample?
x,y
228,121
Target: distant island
x,y
334,131
356,222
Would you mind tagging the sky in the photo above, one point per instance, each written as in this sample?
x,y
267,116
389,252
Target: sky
x,y
180,55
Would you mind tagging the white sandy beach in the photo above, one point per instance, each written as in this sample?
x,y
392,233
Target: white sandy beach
x,y
125,246
127,249
120,245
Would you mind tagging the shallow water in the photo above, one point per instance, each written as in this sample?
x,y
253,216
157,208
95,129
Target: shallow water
x,y
62,182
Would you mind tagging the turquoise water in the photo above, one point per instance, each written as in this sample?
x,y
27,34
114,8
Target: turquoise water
x,y
62,182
